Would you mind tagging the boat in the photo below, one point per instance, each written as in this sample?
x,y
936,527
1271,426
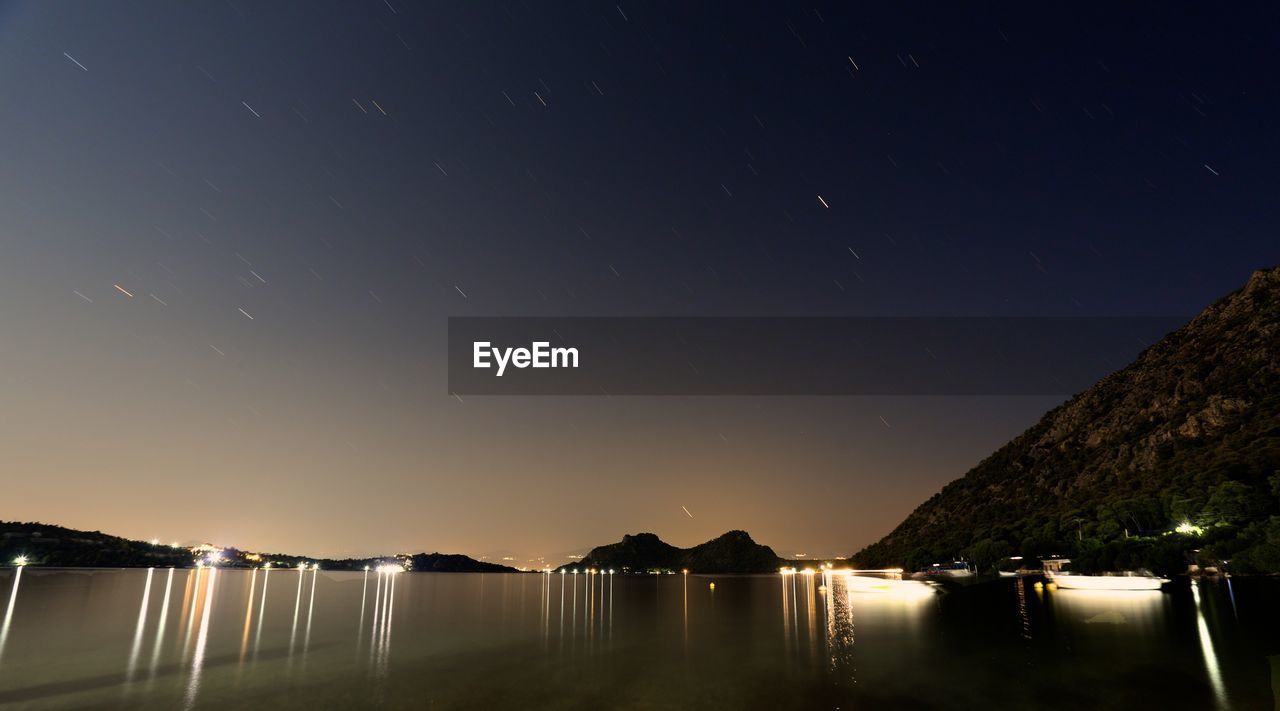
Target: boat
x,y
958,569
1123,581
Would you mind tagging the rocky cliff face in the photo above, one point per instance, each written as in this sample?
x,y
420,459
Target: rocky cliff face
x,y
734,552
1145,447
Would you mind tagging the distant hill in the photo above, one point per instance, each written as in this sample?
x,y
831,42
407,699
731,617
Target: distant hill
x,y
1188,435
423,563
54,545
48,545
734,552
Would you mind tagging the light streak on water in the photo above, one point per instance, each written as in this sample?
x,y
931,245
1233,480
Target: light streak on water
x,y
164,616
197,661
142,624
193,587
311,608
262,609
1210,656
364,595
248,615
377,596
297,607
8,613
383,607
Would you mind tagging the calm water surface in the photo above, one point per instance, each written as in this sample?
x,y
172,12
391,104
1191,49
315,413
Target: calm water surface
x,y
283,639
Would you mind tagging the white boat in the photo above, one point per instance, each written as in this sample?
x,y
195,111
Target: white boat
x,y
1071,581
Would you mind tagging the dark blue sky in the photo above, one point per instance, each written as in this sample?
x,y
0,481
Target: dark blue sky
x,y
350,174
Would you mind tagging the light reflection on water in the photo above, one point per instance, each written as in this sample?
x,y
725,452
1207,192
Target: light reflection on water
x,y
71,638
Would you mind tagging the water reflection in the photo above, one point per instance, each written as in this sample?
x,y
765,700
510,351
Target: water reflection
x,y
8,610
262,610
142,623
845,640
383,608
164,617
311,609
1206,648
248,615
297,607
205,603
1134,608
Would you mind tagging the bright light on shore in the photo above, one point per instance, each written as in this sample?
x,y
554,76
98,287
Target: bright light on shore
x,y
1188,528
20,561
389,569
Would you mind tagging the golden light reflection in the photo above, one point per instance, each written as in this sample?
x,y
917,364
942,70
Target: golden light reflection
x,y
197,661
833,599
189,608
248,616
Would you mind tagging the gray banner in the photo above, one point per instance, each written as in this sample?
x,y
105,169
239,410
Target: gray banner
x,y
791,356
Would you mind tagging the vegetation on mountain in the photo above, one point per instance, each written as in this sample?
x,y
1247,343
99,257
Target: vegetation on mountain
x,y
1172,460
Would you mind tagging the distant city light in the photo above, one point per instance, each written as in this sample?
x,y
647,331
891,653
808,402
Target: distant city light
x,y
389,569
155,541
20,561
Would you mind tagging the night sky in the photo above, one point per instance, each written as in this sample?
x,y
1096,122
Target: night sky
x,y
230,237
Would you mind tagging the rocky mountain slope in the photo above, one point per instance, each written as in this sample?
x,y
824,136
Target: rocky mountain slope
x,y
1188,434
